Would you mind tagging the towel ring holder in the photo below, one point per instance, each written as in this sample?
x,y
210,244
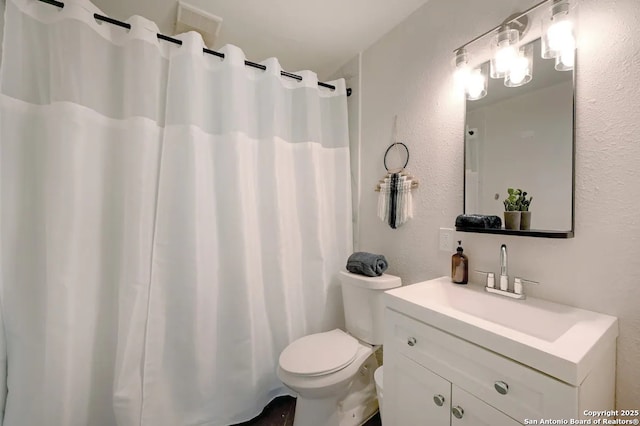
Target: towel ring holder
x,y
387,152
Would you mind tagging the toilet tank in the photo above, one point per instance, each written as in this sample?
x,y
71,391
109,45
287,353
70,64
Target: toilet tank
x,y
363,304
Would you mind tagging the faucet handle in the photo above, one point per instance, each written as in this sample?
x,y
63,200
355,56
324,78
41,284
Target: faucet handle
x,y
491,278
517,284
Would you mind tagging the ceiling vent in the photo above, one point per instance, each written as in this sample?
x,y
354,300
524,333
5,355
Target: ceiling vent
x,y
191,18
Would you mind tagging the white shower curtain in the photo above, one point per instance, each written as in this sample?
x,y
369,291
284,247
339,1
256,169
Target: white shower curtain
x,y
169,222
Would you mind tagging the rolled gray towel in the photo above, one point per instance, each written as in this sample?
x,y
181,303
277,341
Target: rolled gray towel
x,y
369,264
478,221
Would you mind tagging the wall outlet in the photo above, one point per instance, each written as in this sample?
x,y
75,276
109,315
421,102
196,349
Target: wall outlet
x,y
446,239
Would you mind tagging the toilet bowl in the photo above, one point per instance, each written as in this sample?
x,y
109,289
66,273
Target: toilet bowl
x,y
324,369
332,372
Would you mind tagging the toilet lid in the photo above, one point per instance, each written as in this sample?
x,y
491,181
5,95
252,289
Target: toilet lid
x,y
318,354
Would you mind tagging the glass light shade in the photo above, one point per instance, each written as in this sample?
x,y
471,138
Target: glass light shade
x,y
521,68
476,87
558,36
566,60
504,51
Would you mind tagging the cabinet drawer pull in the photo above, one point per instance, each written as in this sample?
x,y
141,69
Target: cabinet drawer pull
x,y
439,400
411,341
457,411
501,387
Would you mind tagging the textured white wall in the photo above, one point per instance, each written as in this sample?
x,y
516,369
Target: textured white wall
x,y
408,73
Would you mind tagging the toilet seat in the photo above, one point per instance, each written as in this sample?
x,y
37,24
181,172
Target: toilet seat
x,y
319,354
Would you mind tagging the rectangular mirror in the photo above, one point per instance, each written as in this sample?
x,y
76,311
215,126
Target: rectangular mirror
x,y
523,138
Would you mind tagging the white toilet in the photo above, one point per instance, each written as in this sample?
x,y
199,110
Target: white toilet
x,y
332,372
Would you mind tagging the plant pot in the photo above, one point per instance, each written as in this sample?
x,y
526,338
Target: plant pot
x,y
512,220
525,221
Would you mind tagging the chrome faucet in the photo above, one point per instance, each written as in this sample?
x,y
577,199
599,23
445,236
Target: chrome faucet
x,y
518,292
504,276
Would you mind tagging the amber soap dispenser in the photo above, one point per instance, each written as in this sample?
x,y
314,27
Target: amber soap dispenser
x,y
459,266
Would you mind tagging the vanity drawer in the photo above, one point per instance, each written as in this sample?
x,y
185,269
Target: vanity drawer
x,y
516,390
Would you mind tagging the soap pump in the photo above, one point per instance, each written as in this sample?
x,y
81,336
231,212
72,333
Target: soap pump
x,y
459,266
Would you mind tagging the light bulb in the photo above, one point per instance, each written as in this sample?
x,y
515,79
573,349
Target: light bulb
x,y
476,85
560,36
568,59
462,69
474,90
503,51
504,58
519,70
565,61
461,75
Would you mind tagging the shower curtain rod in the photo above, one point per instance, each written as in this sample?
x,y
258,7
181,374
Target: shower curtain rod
x,y
179,42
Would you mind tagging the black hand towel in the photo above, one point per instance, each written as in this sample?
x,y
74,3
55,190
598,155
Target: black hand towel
x,y
478,221
369,264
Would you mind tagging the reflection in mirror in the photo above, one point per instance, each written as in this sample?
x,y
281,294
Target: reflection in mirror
x,y
522,137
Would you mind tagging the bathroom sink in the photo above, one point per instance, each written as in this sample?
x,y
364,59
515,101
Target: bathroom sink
x,y
559,340
544,321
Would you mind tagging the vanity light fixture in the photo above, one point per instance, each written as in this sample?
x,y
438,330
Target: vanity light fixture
x,y
513,61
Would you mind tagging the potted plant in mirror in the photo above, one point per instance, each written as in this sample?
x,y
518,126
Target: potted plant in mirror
x,y
512,209
525,214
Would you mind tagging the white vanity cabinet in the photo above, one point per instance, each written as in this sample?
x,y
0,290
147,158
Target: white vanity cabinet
x,y
414,400
444,367
421,397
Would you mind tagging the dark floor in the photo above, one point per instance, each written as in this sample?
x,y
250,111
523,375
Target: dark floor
x,y
280,413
